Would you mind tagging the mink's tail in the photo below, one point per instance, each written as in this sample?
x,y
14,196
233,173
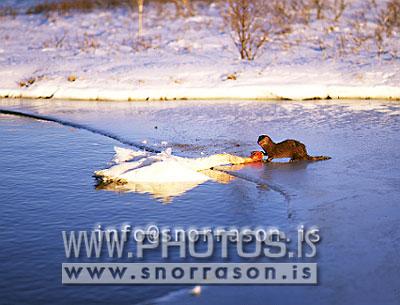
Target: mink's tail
x,y
318,158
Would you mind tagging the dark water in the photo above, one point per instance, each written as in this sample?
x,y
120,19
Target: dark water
x,y
46,187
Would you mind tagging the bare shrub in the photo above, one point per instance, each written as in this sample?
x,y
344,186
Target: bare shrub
x,y
330,33
376,25
184,8
88,43
303,10
389,17
338,7
57,41
319,6
254,23
359,36
333,8
146,43
388,25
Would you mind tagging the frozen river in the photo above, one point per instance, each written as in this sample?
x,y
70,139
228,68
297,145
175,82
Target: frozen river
x,y
47,186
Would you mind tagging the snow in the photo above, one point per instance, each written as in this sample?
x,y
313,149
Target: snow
x,y
180,58
125,154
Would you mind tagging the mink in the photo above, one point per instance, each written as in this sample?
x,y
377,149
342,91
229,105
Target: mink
x,y
292,149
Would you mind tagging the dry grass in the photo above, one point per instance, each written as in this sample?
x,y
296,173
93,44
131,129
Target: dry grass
x,y
184,7
65,6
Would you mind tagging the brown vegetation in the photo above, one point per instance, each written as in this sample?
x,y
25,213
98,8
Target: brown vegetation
x,y
254,23
384,26
65,6
183,7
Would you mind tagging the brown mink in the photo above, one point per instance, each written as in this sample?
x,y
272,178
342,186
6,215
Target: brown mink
x,y
292,149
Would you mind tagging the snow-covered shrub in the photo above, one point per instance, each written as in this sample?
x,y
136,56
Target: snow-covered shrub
x,y
254,23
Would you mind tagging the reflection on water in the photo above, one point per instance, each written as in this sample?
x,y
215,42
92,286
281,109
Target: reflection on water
x,y
164,192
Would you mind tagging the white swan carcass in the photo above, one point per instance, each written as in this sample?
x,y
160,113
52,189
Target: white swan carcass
x,y
138,167
163,175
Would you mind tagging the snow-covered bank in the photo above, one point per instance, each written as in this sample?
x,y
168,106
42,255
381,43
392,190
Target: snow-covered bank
x,y
96,56
267,92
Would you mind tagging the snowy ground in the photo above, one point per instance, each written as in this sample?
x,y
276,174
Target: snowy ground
x,y
96,56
